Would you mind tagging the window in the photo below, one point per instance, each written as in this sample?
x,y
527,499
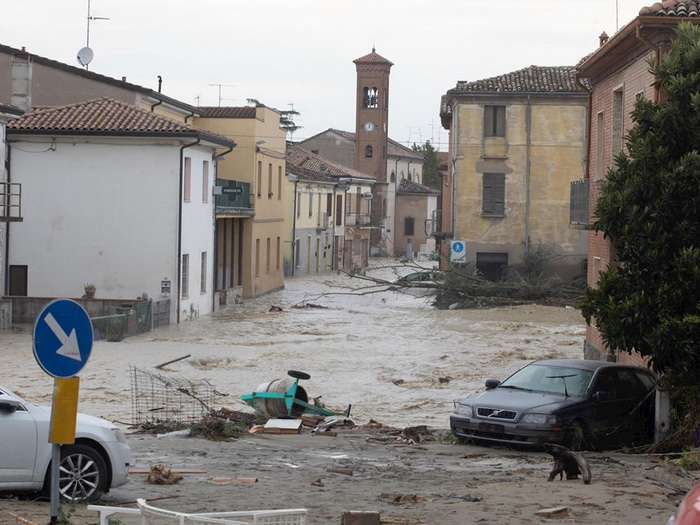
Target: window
x,y
494,193
278,253
492,265
299,204
257,257
600,142
259,189
297,252
617,121
269,181
311,203
369,97
187,183
369,152
409,225
338,210
392,177
329,204
203,274
184,292
268,255
205,181
494,121
279,183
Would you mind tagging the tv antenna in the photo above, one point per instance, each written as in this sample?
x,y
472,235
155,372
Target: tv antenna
x,y
219,86
85,55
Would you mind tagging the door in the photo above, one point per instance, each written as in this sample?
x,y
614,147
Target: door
x,y
18,450
18,280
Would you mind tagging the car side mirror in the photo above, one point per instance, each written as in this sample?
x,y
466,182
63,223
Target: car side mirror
x,y
9,405
492,383
602,395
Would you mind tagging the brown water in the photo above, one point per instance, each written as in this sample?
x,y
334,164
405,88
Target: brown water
x,y
390,355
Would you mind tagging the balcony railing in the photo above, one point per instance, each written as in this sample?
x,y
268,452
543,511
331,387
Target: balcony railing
x,y
232,196
584,194
360,220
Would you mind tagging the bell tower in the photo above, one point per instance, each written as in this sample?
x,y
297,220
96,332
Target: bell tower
x,y
372,115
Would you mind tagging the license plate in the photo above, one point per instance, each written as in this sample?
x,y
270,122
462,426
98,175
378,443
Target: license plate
x,y
493,428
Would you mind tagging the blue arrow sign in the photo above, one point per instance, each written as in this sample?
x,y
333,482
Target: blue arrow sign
x,y
62,338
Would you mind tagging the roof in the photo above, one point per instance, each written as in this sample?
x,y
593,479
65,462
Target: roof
x,y
408,186
309,166
533,79
81,72
373,58
227,112
5,108
107,116
678,8
394,149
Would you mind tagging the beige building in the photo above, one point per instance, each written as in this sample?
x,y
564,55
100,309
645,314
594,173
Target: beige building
x,y
516,143
249,239
328,221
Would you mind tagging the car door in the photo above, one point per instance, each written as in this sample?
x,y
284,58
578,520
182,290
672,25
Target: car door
x,y
18,439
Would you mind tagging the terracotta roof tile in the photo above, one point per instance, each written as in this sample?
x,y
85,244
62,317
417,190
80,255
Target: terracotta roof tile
x,y
678,8
105,116
372,58
227,112
408,186
303,163
533,79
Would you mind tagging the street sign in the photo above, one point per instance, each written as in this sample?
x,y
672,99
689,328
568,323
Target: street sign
x,y
458,251
62,338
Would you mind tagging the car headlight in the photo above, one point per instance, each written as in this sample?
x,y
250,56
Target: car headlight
x,y
119,435
541,419
463,410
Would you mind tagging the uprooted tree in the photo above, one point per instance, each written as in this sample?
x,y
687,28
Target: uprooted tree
x,y
649,208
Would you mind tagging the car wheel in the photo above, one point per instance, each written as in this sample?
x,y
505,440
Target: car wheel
x,y
82,474
575,437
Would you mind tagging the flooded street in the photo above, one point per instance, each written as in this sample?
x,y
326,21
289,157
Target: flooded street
x,y
390,355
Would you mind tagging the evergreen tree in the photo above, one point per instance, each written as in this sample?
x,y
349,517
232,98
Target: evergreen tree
x,y
431,174
648,300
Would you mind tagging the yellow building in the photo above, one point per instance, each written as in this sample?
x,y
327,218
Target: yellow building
x,y
516,143
250,209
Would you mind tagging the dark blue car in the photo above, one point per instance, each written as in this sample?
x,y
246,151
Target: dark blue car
x,y
576,403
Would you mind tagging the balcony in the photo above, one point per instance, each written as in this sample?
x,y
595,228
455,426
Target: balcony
x,y
232,197
584,194
362,220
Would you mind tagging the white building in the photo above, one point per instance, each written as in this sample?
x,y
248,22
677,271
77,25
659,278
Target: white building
x,y
116,196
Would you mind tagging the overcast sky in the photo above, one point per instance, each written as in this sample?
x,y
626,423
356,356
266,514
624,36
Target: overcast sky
x,y
298,53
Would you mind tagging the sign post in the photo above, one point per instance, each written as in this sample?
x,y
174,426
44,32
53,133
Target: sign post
x,y
63,336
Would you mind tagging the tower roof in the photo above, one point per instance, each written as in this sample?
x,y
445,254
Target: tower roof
x,y
373,58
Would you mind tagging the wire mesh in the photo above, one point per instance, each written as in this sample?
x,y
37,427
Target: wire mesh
x,y
156,398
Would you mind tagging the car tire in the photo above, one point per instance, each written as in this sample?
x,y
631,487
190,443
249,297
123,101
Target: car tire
x,y
575,437
82,474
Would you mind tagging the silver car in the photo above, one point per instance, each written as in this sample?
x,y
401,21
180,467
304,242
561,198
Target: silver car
x,y
97,461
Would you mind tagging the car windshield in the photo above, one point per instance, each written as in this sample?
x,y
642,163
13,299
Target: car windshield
x,y
550,379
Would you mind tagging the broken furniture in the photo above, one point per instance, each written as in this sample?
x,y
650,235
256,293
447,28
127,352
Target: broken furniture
x,y
156,516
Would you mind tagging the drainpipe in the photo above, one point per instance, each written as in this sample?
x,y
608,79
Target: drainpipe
x,y
179,224
528,146
294,229
6,284
657,55
589,123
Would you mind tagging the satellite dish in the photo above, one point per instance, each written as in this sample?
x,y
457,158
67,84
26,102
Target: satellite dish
x,y
85,56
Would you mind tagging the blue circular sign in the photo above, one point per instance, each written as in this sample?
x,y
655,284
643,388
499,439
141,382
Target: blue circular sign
x,y
62,338
457,246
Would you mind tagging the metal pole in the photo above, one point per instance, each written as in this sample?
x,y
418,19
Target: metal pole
x,y
55,464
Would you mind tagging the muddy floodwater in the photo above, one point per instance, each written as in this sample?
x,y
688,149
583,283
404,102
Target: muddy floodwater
x,y
390,355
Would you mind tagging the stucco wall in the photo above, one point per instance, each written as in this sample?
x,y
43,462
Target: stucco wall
x,y
546,135
107,213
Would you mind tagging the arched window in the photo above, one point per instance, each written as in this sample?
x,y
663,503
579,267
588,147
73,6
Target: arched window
x,y
368,152
393,176
369,97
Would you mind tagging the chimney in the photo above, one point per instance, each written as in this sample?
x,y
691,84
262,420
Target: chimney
x,y
602,39
21,95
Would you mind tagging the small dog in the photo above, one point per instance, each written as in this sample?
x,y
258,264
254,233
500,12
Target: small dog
x,y
569,462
